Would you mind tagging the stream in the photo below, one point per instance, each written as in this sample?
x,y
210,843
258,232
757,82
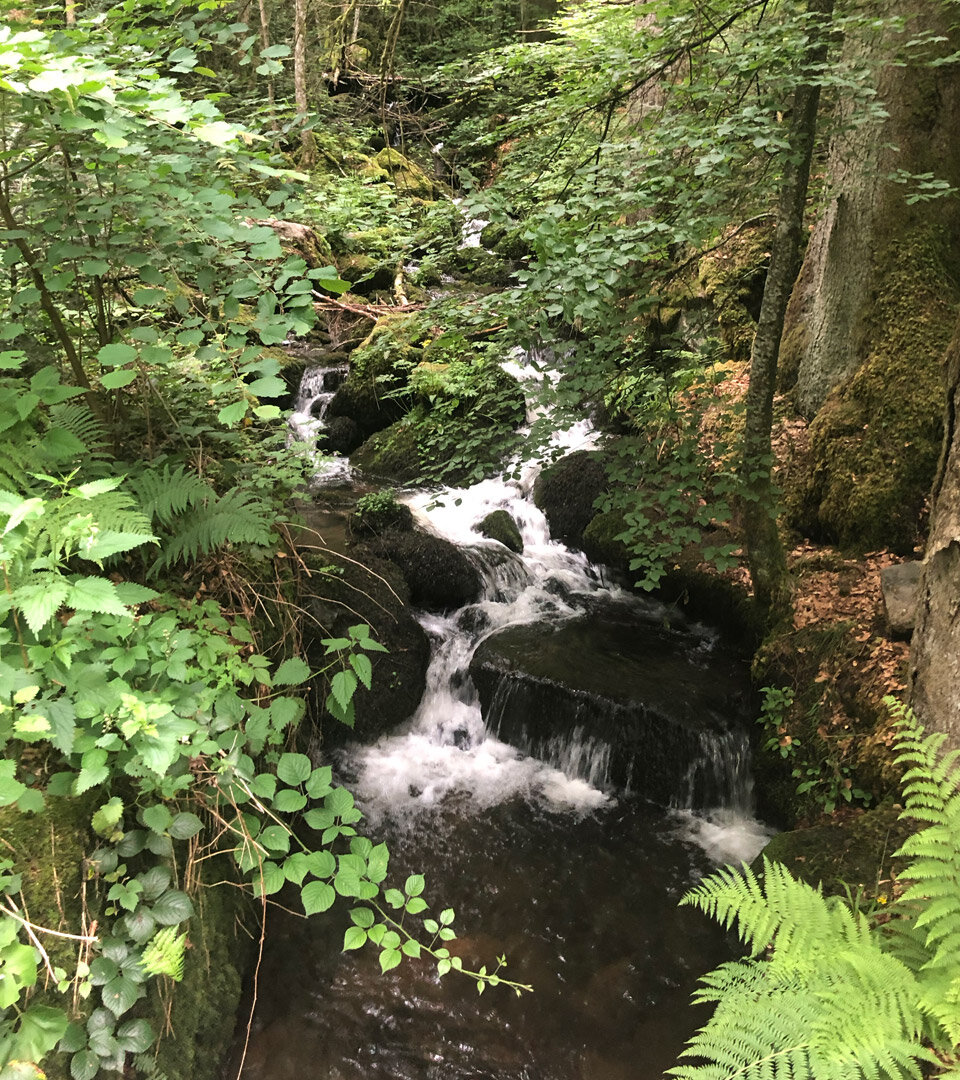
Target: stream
x,y
579,759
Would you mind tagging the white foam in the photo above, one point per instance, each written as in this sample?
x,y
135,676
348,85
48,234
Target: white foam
x,y
726,836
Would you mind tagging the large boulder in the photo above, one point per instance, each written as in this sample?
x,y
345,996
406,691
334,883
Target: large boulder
x,y
851,855
602,691
567,491
392,454
438,574
342,592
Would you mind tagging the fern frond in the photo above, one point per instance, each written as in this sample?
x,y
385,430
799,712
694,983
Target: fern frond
x,y
76,419
16,464
236,518
163,955
166,494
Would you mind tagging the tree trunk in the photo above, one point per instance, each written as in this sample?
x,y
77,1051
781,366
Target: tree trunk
x,y
874,306
765,554
308,142
935,658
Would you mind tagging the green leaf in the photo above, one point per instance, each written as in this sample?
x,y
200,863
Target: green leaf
x,y
294,768
157,817
318,786
84,1065
184,826
363,668
108,817
270,879
231,414
343,686
10,788
114,380
289,801
120,994
389,958
361,916
414,886
116,355
172,908
354,938
40,602
135,1036
291,672
95,594
317,896
411,948
275,838
321,864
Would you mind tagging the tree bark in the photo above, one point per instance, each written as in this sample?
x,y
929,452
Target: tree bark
x,y
308,142
935,657
765,554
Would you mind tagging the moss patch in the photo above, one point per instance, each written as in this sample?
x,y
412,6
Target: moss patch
x,y
204,1005
732,278
855,854
875,443
392,454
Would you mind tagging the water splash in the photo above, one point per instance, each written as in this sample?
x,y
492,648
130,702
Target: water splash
x,y
308,421
446,753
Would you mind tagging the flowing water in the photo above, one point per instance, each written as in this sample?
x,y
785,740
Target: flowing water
x,y
530,815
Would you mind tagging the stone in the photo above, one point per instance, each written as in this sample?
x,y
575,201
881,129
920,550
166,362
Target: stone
x,y
340,592
602,689
901,585
500,526
438,574
566,492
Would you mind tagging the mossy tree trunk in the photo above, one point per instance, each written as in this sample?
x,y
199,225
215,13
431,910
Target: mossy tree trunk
x,y
765,554
935,659
874,306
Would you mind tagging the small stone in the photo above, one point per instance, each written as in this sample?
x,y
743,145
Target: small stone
x,y
900,585
500,526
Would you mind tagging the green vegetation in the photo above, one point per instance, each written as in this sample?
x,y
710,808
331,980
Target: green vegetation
x,y
785,1010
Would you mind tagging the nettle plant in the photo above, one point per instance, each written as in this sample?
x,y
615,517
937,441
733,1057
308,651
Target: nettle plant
x,y
164,711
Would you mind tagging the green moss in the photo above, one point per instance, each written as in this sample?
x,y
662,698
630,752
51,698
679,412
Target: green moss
x,y
407,176
204,1005
600,541
391,454
875,443
854,854
500,526
733,278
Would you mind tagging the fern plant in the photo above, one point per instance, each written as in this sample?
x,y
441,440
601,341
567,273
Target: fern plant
x,y
194,520
825,992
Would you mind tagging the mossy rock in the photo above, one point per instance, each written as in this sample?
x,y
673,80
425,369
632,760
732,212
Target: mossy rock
x,y
566,492
391,454
366,274
600,543
875,443
500,526
363,588
408,178
479,267
204,1005
439,575
341,436
855,854
378,513
732,278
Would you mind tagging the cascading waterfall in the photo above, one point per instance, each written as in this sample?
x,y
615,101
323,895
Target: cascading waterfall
x,y
449,750
545,845
308,419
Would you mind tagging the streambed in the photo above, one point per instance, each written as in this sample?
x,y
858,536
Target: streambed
x,y
548,847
